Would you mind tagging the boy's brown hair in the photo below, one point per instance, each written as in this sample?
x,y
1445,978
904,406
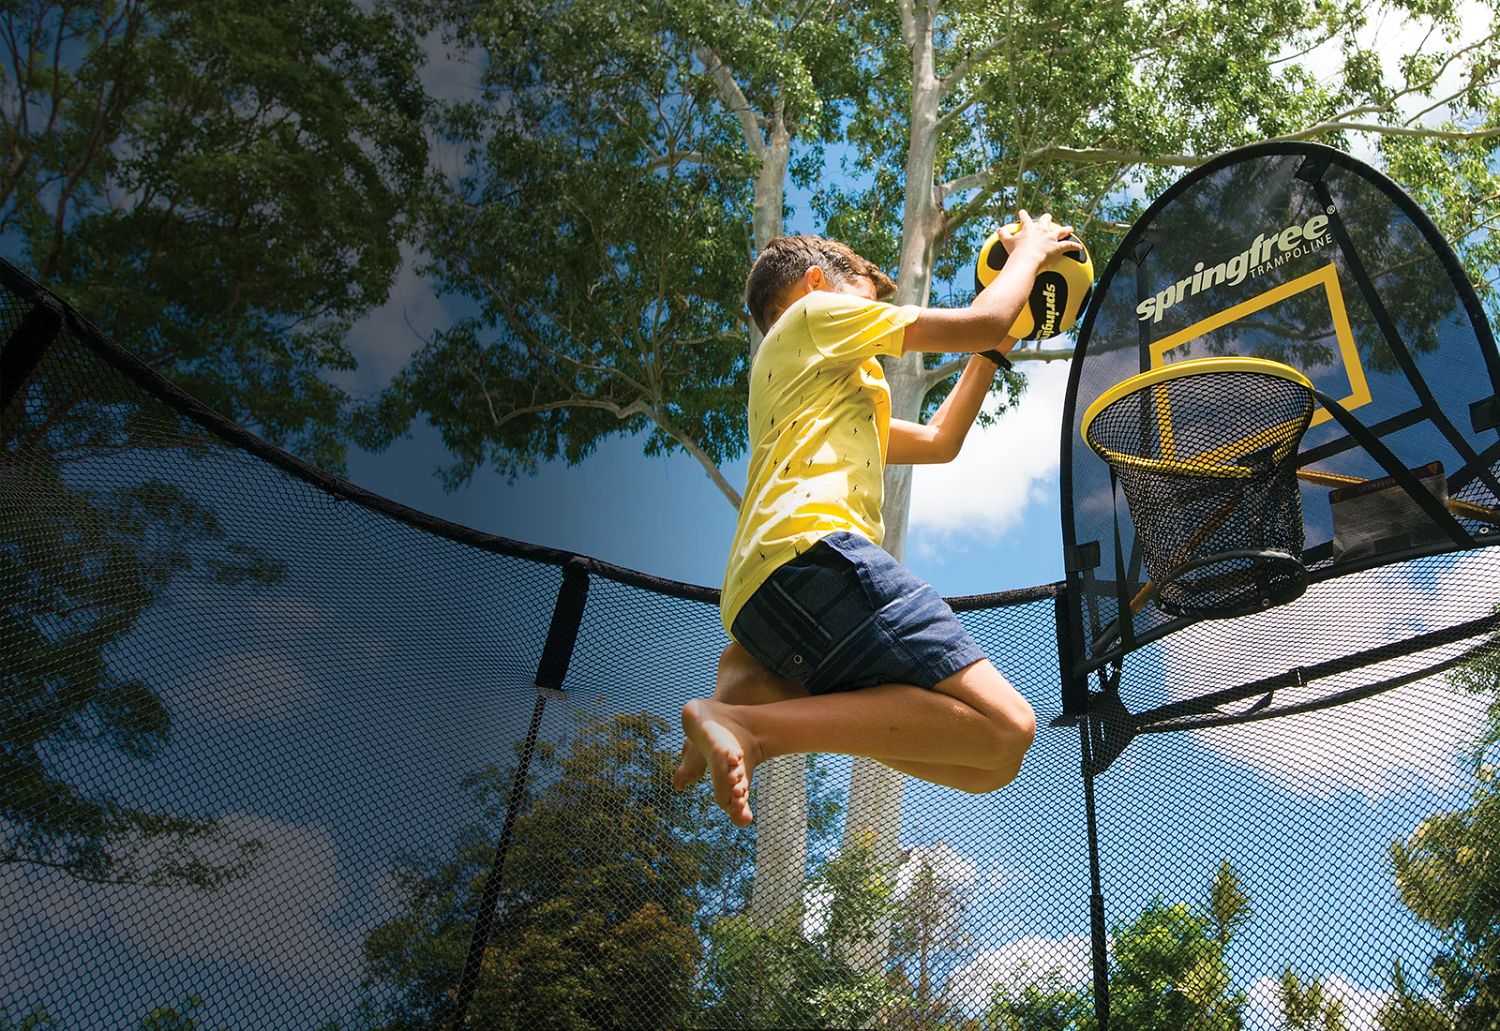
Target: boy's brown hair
x,y
786,259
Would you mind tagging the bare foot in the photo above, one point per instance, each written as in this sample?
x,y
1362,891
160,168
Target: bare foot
x,y
729,750
690,769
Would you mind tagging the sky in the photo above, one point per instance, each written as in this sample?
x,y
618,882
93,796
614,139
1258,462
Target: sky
x,y
1279,793
988,521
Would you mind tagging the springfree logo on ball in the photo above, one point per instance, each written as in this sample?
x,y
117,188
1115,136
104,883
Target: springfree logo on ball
x,y
1058,297
1264,253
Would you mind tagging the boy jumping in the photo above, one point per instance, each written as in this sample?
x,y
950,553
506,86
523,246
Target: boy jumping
x,y
837,647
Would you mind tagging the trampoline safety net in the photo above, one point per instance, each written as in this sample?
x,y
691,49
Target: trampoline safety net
x,y
276,753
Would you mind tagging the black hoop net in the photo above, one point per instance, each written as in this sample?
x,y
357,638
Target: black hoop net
x,y
1208,464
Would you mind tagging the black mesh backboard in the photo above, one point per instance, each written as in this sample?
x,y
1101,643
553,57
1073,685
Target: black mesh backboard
x,y
1299,254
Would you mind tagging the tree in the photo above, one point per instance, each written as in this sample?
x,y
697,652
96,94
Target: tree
x,y
781,974
1306,1006
1228,907
928,924
1405,1010
80,568
221,186
1448,874
34,1020
1048,1003
1167,970
603,899
619,169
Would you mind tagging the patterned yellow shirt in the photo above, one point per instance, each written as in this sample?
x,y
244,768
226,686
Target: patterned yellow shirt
x,y
820,415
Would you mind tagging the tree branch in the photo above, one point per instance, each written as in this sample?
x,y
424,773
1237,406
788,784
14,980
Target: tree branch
x,y
1449,99
966,65
734,99
1385,130
1105,155
684,157
935,375
690,445
948,117
964,183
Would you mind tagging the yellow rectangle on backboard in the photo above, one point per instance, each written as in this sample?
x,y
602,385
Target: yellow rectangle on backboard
x,y
1326,277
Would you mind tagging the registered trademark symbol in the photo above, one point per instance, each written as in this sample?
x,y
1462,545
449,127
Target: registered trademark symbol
x,y
1329,209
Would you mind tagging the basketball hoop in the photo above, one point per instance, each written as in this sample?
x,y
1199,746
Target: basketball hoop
x,y
1206,450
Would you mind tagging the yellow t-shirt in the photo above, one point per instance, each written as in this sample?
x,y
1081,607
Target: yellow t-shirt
x,y
820,415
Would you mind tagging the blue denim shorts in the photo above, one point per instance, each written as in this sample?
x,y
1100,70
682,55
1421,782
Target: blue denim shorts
x,y
845,615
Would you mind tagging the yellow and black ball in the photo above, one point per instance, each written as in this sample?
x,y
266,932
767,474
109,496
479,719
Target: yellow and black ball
x,y
1059,296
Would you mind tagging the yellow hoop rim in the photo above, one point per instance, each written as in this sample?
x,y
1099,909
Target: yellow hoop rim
x,y
1191,367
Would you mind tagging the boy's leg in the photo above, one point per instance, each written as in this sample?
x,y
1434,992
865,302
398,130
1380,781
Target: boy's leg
x,y
743,680
972,719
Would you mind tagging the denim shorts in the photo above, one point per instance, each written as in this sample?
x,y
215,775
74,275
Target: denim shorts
x,y
845,615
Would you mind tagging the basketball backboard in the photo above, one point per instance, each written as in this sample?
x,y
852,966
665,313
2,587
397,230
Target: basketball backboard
x,y
1299,254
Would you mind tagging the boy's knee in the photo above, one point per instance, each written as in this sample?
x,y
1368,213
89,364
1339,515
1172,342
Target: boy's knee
x,y
1015,728
984,781
1025,728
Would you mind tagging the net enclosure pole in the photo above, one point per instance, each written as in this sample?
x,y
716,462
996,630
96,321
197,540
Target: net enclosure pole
x,y
1098,950
557,653
25,347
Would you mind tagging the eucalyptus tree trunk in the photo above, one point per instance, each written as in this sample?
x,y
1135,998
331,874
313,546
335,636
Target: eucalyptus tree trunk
x,y
781,783
781,788
875,790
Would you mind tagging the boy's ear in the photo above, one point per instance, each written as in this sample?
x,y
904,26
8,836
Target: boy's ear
x,y
813,278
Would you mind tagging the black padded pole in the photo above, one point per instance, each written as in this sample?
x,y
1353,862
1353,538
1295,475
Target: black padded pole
x,y
1096,890
1075,688
567,617
25,347
557,653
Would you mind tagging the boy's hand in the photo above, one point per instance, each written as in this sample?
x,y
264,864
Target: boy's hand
x,y
1028,244
1038,239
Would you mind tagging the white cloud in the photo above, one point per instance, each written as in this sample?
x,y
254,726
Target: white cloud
x,y
1375,746
281,917
300,621
449,73
1020,963
949,869
1008,878
1001,471
1264,1010
245,687
383,340
291,612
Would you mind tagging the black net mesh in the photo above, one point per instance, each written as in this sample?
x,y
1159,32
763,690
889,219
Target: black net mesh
x,y
1207,462
274,756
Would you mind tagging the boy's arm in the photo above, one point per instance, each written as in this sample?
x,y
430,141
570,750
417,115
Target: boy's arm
x,y
912,443
977,327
